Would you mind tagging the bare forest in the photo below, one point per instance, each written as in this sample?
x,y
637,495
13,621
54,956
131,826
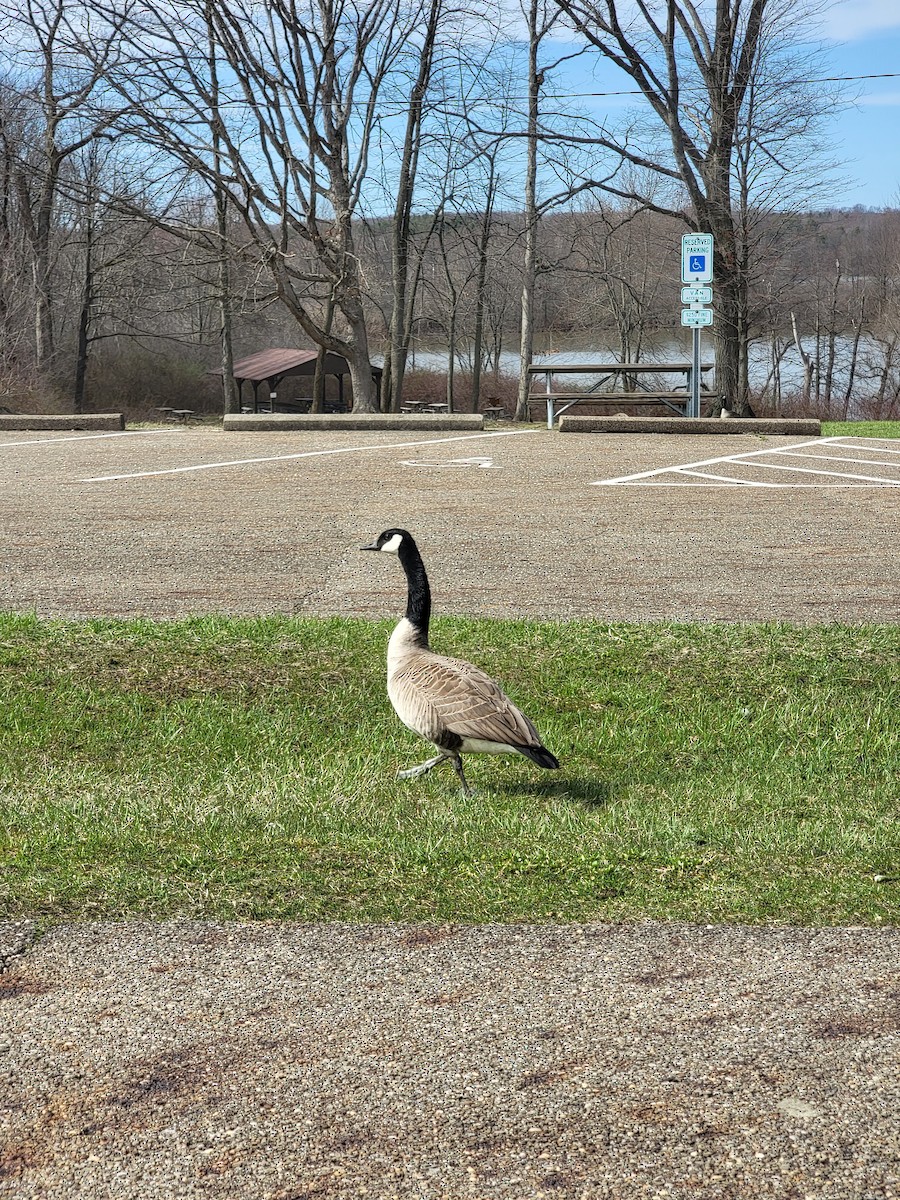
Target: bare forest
x,y
403,183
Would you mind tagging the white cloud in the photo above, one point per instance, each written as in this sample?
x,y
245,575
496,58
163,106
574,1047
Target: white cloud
x,y
886,99
848,20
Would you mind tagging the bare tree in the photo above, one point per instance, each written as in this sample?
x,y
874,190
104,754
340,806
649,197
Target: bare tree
x,y
541,17
105,252
61,90
402,299
16,313
726,102
292,108
230,398
618,249
540,22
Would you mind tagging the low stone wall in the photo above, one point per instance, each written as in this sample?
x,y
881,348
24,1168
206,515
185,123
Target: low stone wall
x,y
276,422
760,425
86,421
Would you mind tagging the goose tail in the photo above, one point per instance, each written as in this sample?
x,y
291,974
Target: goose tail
x,y
540,755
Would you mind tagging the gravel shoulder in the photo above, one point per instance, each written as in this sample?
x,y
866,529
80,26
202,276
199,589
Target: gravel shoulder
x,y
195,1059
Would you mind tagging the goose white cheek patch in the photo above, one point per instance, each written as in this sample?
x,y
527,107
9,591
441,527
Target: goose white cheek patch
x,y
392,546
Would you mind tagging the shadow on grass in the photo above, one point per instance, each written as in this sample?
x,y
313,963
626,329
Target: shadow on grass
x,y
592,793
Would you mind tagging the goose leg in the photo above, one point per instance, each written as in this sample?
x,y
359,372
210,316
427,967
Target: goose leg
x,y
421,769
458,768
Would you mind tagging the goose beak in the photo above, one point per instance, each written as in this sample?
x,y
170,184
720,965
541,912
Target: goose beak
x,y
374,546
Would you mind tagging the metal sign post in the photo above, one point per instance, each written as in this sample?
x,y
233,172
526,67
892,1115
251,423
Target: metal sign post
x,y
696,268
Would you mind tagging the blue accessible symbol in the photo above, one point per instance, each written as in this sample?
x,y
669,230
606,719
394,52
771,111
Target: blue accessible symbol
x,y
697,263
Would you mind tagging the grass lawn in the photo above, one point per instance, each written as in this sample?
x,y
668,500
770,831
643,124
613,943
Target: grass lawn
x,y
874,429
246,768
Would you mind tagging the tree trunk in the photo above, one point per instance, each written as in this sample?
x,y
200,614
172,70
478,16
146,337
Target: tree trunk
x,y
365,394
854,362
729,330
451,357
318,388
484,242
478,340
809,366
37,221
81,354
43,315
529,271
231,401
399,329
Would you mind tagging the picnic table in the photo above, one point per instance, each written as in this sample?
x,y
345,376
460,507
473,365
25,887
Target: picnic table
x,y
182,415
675,398
420,406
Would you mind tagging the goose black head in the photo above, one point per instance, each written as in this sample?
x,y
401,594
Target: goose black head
x,y
390,541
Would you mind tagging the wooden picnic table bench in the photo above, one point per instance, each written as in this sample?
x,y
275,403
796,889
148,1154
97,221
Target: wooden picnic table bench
x,y
677,399
184,415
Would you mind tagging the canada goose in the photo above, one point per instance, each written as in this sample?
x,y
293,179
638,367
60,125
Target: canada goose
x,y
445,700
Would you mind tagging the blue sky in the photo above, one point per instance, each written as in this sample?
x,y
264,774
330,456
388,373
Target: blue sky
x,y
861,38
864,37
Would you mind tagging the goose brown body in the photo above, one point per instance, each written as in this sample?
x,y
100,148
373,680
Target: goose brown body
x,y
447,701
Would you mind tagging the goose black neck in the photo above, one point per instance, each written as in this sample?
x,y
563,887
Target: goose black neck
x,y
418,596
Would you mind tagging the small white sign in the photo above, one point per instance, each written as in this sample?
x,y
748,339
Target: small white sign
x,y
697,258
696,317
696,295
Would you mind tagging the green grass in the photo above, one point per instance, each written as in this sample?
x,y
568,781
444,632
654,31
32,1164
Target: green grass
x,y
246,768
875,429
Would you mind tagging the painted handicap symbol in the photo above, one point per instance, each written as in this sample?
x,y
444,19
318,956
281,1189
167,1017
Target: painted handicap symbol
x,y
486,464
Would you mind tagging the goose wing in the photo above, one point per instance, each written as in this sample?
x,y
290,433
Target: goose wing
x,y
434,695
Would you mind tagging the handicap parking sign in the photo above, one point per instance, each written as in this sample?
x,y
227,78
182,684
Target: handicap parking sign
x,y
697,258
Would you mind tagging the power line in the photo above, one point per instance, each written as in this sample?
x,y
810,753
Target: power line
x,y
638,92
392,107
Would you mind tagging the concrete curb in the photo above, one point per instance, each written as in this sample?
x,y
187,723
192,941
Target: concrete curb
x,y
85,421
705,425
278,422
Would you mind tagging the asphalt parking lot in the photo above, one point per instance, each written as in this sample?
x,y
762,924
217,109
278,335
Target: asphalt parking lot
x,y
512,522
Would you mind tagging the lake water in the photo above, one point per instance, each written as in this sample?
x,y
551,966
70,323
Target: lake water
x,y
431,357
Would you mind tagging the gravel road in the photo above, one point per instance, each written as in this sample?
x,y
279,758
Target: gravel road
x,y
182,1060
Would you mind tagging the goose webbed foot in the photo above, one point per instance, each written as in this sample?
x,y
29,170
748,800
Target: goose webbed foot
x,y
425,767
422,768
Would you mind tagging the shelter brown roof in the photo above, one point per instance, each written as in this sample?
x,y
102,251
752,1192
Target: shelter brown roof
x,y
277,363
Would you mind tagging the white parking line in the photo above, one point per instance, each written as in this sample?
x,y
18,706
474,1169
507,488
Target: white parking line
x,y
833,474
753,458
241,462
880,449
724,478
703,462
85,437
866,462
779,486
